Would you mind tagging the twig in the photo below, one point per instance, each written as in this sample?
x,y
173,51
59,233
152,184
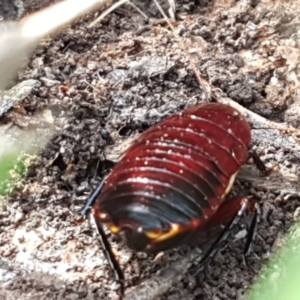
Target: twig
x,y
106,12
165,279
138,10
256,120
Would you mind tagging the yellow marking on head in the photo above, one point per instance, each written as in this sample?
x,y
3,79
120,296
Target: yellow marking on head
x,y
159,235
114,229
153,234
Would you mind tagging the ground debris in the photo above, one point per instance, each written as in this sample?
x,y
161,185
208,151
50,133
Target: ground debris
x,y
102,86
10,98
150,66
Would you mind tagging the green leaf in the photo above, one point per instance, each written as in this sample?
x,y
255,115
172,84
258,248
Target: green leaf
x,y
280,277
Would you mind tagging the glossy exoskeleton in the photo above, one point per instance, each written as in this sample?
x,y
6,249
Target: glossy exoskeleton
x,y
172,182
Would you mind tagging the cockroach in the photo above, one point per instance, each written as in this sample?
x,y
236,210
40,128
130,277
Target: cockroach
x,y
173,182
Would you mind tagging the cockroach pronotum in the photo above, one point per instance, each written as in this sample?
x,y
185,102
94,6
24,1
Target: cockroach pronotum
x,y
173,182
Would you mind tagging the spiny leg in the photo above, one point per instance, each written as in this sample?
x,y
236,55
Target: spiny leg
x,y
252,233
93,197
106,247
109,255
245,204
258,162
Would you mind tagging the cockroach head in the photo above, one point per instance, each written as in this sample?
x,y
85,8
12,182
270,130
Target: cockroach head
x,y
142,229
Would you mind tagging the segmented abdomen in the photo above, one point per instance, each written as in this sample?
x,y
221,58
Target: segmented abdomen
x,y
180,169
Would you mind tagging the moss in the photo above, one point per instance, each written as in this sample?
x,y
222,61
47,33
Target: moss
x,y
14,165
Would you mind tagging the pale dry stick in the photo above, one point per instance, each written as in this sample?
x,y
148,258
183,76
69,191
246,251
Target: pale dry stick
x,y
256,120
121,2
18,39
164,279
202,82
172,9
106,12
138,10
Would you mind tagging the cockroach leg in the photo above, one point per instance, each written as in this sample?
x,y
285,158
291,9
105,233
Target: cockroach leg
x,y
252,232
93,198
258,162
106,247
217,245
109,255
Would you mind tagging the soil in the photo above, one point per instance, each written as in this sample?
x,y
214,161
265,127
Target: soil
x,y
100,87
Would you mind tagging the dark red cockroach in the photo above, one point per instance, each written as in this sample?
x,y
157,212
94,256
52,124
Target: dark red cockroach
x,y
172,183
